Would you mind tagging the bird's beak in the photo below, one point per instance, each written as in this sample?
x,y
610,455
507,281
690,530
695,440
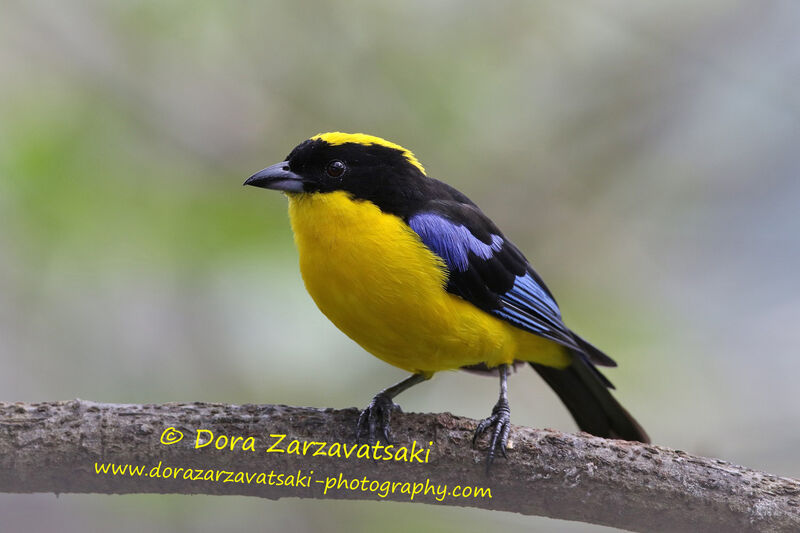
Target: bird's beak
x,y
277,177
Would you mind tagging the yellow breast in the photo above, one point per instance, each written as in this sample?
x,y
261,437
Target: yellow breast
x,y
372,276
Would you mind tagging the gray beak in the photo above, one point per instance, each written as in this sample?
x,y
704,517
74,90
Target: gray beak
x,y
277,177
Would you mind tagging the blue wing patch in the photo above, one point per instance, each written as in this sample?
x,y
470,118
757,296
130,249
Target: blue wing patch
x,y
526,290
452,242
528,306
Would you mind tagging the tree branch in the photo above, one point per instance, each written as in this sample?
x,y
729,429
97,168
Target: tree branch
x,y
54,447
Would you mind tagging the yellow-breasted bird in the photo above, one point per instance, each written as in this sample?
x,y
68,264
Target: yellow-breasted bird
x,y
412,270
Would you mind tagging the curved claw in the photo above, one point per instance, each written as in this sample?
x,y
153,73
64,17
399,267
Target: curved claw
x,y
500,422
376,417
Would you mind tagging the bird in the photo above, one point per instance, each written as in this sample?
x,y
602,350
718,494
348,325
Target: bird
x,y
415,273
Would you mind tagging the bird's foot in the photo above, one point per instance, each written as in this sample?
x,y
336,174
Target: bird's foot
x,y
375,419
500,424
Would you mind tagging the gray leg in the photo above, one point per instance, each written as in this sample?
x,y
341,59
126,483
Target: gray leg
x,y
499,422
378,413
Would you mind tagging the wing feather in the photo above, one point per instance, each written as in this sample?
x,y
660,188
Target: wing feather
x,y
488,270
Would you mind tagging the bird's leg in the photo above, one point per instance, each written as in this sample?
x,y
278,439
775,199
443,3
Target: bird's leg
x,y
500,421
378,413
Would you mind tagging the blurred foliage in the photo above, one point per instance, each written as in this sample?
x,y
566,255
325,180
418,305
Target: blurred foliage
x,y
642,155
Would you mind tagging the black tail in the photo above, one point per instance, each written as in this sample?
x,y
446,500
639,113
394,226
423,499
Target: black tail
x,y
584,390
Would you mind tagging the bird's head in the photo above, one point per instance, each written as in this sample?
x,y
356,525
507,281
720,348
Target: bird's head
x,y
367,167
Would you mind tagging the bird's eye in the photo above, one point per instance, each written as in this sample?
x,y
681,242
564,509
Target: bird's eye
x,y
335,168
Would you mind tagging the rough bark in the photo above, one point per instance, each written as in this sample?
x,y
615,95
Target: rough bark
x,y
53,447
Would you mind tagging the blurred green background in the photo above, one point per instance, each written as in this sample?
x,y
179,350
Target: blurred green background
x,y
643,155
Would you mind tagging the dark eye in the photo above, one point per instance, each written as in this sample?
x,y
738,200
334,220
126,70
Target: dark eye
x,y
335,168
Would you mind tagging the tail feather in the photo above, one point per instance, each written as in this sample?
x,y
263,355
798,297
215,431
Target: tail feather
x,y
584,390
594,354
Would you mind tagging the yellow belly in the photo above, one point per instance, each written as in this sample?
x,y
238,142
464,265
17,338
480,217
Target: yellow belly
x,y
372,276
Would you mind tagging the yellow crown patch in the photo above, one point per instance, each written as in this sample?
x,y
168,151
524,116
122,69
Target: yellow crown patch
x,y
338,137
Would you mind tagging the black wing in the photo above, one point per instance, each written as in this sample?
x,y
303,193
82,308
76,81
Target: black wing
x,y
487,270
